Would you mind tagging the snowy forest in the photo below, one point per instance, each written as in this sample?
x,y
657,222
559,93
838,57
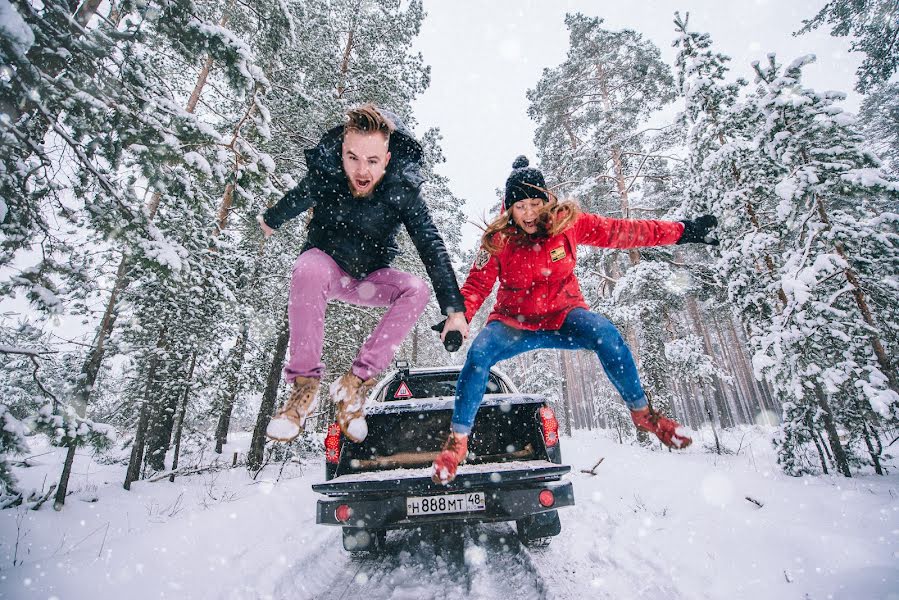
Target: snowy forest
x,y
144,322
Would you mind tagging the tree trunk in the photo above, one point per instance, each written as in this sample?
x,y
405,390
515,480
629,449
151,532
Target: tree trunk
x,y
60,499
702,332
267,408
162,413
232,368
87,11
811,428
345,62
886,366
836,446
140,437
566,395
617,165
179,426
84,385
875,455
753,385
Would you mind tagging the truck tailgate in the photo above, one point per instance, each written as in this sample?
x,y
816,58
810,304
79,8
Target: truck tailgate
x,y
469,477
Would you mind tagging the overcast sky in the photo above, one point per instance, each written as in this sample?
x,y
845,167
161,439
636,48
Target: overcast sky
x,y
485,55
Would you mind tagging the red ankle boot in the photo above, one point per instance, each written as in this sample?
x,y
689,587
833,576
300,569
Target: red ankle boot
x,y
454,451
667,430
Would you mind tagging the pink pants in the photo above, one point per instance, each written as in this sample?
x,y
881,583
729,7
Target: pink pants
x,y
317,279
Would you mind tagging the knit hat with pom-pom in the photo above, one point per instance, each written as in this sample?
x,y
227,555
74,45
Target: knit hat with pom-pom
x,y
524,182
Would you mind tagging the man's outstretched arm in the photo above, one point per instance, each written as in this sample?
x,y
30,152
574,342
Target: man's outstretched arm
x,y
295,202
433,254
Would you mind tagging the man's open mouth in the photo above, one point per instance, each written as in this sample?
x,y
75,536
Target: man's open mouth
x,y
361,183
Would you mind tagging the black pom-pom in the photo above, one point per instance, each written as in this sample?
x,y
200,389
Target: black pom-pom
x,y
521,162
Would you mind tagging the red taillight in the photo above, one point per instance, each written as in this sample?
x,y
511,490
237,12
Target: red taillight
x,y
546,498
550,426
343,513
332,444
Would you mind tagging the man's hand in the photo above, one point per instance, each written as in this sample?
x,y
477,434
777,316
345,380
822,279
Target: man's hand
x,y
455,322
266,230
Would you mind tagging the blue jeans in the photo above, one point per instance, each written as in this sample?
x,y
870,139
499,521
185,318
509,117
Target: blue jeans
x,y
582,330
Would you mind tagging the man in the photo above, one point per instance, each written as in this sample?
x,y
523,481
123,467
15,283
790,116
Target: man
x,y
363,181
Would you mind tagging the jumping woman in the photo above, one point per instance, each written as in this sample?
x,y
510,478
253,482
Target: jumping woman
x,y
532,249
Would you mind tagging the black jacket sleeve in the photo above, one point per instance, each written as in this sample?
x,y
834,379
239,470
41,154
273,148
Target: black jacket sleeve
x,y
291,204
432,250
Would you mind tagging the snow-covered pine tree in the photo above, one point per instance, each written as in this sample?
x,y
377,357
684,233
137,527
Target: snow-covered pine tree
x,y
104,91
202,301
829,344
591,112
879,122
729,178
874,26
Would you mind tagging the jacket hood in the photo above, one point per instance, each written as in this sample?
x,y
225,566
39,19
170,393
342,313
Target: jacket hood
x,y
405,154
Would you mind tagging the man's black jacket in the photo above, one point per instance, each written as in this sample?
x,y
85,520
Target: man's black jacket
x,y
360,233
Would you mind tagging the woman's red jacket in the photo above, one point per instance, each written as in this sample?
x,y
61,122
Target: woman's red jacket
x,y
537,284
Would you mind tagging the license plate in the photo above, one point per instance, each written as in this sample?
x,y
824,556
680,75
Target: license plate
x,y
417,506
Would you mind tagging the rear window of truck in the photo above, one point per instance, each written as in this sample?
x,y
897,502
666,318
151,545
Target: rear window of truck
x,y
432,385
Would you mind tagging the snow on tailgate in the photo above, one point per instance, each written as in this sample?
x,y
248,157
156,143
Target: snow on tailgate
x,y
515,465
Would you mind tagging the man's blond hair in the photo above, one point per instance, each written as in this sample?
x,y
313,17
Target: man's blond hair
x,y
367,119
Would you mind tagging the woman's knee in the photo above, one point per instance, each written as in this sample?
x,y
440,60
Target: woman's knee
x,y
481,355
599,334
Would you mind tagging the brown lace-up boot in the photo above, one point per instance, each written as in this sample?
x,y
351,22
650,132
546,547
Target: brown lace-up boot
x,y
454,451
349,392
288,422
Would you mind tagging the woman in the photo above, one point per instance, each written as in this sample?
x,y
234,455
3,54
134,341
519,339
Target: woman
x,y
532,249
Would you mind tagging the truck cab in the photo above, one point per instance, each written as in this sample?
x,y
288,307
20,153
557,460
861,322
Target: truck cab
x,y
513,471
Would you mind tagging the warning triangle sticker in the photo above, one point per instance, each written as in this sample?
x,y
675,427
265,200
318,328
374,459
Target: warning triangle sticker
x,y
403,391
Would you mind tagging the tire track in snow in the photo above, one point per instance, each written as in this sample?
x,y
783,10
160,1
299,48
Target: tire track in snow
x,y
609,567
415,564
479,562
500,566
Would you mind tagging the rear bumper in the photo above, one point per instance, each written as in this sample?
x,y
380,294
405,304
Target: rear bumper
x,y
388,511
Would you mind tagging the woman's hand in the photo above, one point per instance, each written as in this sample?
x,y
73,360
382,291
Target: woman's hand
x,y
699,231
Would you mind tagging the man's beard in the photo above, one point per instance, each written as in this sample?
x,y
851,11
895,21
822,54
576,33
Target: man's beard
x,y
372,188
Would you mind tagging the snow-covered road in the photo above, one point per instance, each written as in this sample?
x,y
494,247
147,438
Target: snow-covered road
x,y
650,524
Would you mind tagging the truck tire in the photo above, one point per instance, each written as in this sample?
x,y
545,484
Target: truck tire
x,y
357,540
536,531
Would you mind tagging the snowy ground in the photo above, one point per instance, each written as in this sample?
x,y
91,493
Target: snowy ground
x,y
650,524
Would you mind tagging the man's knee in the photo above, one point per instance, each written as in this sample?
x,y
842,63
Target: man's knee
x,y
416,289
313,268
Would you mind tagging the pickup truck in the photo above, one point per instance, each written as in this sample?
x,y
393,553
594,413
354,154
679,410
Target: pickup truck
x,y
513,472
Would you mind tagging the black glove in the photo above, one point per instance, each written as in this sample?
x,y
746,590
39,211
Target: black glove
x,y
453,339
698,231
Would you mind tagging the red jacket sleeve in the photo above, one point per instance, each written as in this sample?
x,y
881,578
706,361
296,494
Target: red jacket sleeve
x,y
604,232
479,282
